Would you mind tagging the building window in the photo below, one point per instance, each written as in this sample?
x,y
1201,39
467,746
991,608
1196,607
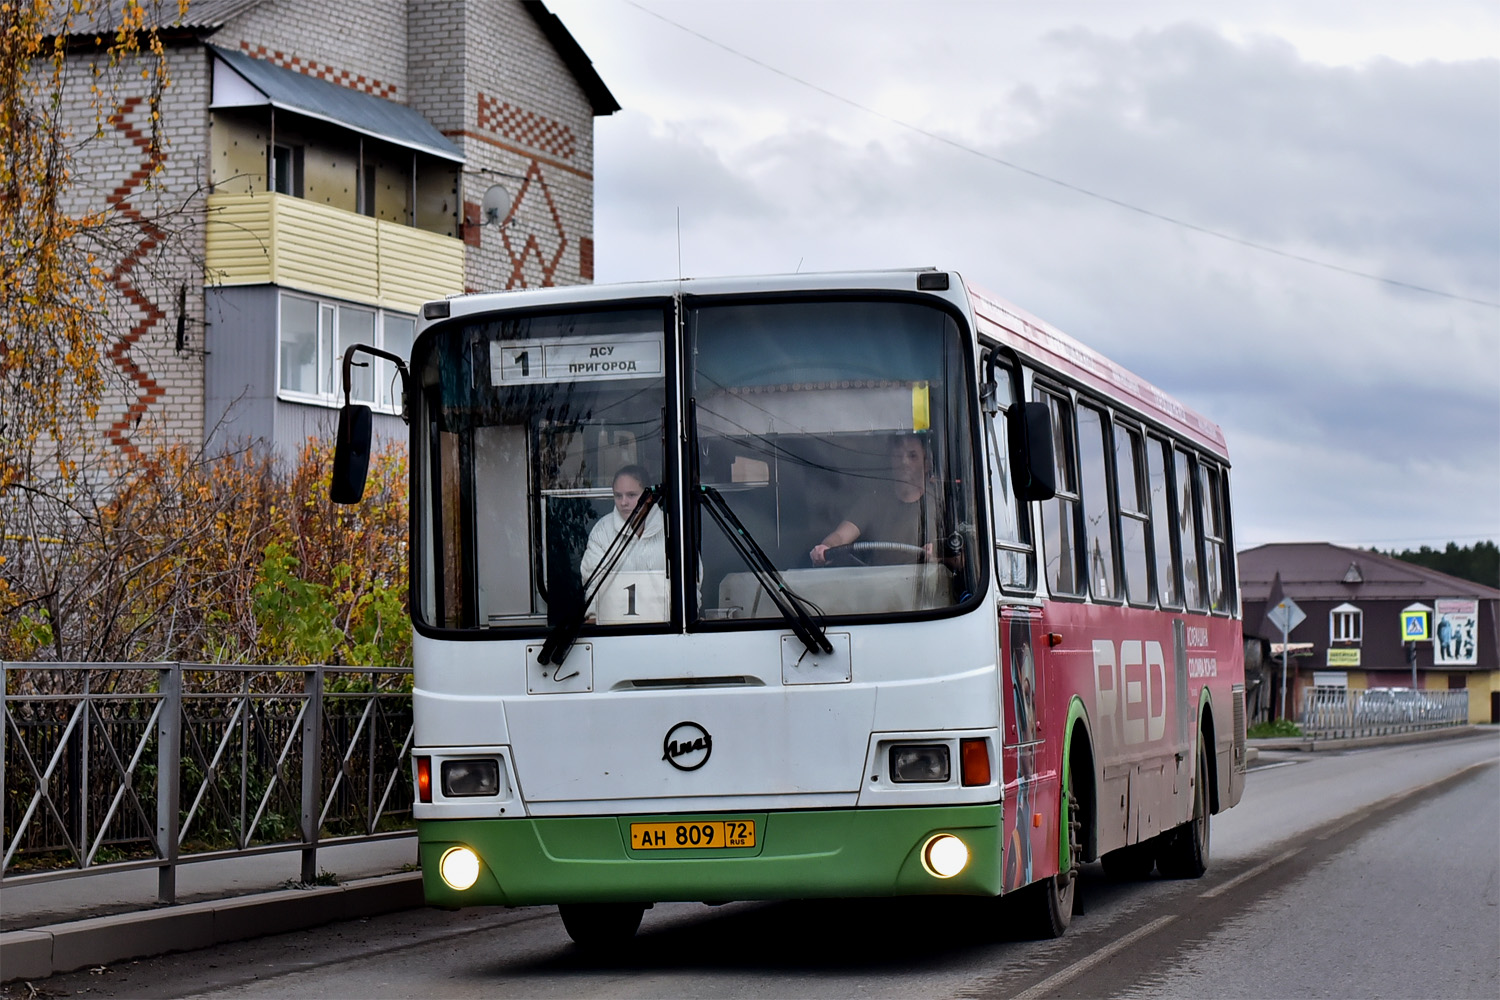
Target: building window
x,y
284,170
314,335
1345,624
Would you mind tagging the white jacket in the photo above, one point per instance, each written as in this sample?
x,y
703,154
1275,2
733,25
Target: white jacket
x,y
648,551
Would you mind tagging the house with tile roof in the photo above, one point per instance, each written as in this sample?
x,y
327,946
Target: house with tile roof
x,y
328,168
1352,635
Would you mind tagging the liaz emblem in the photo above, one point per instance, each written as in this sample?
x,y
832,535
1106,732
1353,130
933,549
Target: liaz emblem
x,y
687,746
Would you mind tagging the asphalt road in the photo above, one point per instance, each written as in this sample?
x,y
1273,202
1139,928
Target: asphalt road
x,y
1368,873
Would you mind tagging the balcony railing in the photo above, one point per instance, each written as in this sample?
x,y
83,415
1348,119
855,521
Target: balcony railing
x,y
275,239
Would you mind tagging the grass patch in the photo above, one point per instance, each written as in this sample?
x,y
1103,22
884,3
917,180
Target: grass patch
x,y
1271,730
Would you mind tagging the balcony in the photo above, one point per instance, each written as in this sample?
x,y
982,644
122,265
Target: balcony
x,y
275,239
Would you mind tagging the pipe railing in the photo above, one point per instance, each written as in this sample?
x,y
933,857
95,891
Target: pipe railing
x,y
114,766
1336,712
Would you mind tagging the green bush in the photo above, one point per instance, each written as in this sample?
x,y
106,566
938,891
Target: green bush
x,y
1279,728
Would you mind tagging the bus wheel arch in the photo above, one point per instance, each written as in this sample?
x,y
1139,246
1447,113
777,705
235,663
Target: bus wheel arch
x,y
1079,776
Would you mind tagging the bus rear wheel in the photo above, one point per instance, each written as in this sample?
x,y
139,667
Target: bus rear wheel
x,y
1183,851
601,926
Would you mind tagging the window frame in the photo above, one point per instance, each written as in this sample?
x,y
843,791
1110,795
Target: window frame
x,y
997,363
1111,491
385,396
1346,613
1044,391
1137,437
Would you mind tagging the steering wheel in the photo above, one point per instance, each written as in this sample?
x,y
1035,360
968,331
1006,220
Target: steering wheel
x,y
854,550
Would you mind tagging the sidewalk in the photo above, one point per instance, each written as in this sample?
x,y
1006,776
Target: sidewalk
x,y
95,919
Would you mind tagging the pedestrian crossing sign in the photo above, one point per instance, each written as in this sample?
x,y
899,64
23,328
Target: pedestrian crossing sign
x,y
1414,626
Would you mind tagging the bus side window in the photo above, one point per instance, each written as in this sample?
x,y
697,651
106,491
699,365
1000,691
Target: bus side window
x,y
1098,517
1133,517
1015,560
1215,536
1060,529
1190,534
1158,465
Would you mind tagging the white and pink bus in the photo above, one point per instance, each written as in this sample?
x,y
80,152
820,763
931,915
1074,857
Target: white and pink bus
x,y
820,585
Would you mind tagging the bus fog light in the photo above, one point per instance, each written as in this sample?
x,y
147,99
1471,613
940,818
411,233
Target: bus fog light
x,y
945,855
920,762
459,867
471,777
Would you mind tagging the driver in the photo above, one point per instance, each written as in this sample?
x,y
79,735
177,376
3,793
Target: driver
x,y
901,509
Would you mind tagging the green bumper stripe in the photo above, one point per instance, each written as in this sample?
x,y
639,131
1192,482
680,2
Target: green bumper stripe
x,y
848,852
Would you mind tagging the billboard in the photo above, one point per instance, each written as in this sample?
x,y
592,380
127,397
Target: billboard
x,y
1455,638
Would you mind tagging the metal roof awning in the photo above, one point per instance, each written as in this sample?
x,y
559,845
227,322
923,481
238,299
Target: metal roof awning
x,y
241,82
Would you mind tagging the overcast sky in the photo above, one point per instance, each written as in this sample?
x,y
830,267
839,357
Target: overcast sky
x,y
1363,135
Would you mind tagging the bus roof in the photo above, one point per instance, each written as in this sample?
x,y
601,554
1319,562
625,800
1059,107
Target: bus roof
x,y
1038,341
997,320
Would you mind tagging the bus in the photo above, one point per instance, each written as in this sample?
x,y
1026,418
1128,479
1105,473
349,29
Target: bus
x,y
840,585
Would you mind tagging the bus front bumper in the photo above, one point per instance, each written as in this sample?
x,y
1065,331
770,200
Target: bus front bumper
x,y
826,853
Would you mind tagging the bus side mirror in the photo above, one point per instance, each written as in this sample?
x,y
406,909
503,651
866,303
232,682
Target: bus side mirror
x,y
351,454
1033,472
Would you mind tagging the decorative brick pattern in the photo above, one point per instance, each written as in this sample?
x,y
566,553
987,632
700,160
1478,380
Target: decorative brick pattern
x,y
147,391
529,129
311,67
538,240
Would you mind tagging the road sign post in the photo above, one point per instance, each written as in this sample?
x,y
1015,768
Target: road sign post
x,y
1286,616
1414,629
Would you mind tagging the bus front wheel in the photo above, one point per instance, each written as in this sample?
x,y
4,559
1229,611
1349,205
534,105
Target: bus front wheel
x,y
1047,906
601,926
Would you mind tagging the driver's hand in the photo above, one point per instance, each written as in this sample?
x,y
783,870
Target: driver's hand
x,y
819,555
929,553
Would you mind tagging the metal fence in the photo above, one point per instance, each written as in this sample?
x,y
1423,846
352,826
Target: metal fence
x,y
1334,712
128,766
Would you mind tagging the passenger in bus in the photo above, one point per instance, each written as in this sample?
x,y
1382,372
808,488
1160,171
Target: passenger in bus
x,y
903,509
647,551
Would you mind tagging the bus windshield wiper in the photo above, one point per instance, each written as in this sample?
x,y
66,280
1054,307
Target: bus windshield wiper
x,y
793,608
565,632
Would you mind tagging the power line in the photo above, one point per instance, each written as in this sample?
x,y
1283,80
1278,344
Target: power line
x,y
1086,192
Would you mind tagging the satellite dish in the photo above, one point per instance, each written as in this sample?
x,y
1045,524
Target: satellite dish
x,y
495,208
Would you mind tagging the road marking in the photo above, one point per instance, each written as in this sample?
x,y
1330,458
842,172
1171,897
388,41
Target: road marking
x,y
1399,797
1102,955
1242,877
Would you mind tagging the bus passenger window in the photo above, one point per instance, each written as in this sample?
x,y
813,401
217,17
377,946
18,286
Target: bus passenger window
x,y
1188,533
1133,517
1015,562
1097,519
1168,590
1216,536
1059,515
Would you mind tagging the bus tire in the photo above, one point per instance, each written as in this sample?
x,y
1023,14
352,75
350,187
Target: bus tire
x,y
1129,864
601,926
1047,905
1183,852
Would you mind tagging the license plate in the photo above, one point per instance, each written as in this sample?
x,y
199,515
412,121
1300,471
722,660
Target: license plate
x,y
687,836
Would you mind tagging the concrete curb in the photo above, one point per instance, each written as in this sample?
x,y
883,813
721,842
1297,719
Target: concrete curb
x,y
1312,743
46,951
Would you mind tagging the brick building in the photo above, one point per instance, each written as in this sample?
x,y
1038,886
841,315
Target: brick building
x,y
1352,634
329,167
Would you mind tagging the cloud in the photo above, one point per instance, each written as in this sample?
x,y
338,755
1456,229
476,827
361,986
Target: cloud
x,y
1355,410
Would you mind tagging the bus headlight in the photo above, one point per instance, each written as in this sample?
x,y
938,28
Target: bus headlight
x,y
919,762
471,777
459,867
945,855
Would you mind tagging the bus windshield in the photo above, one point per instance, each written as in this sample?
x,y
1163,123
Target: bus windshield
x,y
539,435
838,434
